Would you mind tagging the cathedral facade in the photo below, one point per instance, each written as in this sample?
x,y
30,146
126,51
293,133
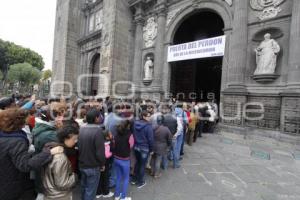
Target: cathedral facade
x,y
120,48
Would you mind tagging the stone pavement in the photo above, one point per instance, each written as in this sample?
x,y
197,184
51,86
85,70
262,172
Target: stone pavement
x,y
228,167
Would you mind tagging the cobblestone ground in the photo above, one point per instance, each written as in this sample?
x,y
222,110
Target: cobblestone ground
x,y
228,167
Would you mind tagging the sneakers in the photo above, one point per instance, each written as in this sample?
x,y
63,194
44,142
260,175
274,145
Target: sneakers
x,y
110,194
98,196
133,182
141,185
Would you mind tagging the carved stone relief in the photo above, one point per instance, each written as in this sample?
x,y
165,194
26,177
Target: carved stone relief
x,y
150,32
269,8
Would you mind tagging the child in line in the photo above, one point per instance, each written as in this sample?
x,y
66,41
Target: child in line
x,y
58,177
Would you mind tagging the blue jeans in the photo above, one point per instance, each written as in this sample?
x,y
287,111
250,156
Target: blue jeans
x,y
112,176
183,141
89,183
176,143
141,160
122,168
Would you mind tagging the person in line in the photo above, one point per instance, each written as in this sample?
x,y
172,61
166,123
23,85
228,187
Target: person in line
x,y
143,137
123,143
58,177
211,119
192,127
186,120
44,132
170,122
178,137
6,103
91,155
162,141
16,161
103,187
203,117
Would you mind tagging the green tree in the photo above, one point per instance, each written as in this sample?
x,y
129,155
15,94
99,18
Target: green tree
x,y
23,74
46,74
11,54
3,56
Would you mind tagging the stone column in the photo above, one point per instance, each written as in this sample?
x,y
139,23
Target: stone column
x,y
238,46
294,58
137,62
290,109
159,44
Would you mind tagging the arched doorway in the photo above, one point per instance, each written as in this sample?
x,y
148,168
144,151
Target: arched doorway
x,y
95,70
198,79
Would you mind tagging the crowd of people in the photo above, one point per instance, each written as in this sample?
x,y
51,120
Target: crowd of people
x,y
50,146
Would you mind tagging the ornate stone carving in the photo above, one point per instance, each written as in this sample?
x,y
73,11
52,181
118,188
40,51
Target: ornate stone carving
x,y
171,15
150,32
106,59
269,8
229,2
99,20
266,56
92,23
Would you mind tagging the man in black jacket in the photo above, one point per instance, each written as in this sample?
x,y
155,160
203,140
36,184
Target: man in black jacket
x,y
169,119
91,155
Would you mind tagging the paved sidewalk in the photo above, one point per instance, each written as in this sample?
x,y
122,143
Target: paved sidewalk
x,y
229,167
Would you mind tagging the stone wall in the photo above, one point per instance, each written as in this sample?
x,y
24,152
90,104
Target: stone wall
x,y
66,52
59,48
72,50
271,112
231,109
123,47
291,115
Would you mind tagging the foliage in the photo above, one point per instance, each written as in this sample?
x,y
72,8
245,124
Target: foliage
x,y
24,74
3,55
47,74
11,54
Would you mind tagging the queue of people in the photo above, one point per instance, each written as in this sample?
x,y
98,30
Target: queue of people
x,y
50,146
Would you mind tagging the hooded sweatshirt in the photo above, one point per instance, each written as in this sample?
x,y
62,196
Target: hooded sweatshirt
x,y
143,135
43,132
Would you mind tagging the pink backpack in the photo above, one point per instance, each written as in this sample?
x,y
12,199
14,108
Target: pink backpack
x,y
108,153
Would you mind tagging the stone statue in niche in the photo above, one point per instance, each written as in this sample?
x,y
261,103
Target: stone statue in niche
x,y
266,56
148,69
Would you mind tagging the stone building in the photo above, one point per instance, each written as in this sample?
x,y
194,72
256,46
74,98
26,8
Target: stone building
x,y
111,40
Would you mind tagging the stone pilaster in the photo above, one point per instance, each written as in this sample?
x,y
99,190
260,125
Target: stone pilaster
x,y
294,58
238,46
159,44
235,95
137,63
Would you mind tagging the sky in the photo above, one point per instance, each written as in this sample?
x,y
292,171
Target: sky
x,y
29,23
